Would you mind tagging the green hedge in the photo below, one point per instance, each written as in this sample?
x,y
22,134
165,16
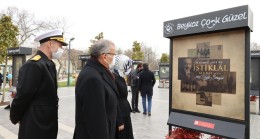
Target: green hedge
x,y
64,84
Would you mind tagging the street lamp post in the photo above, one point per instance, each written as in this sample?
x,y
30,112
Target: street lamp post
x,y
68,81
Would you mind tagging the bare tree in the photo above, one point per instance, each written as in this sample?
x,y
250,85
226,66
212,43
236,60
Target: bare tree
x,y
128,52
150,56
27,24
74,54
63,63
254,47
59,23
119,51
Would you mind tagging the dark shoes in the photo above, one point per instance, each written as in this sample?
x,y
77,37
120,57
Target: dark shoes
x,y
7,107
149,113
136,110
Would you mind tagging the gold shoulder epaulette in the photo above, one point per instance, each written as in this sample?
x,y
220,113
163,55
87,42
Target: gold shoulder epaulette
x,y
36,58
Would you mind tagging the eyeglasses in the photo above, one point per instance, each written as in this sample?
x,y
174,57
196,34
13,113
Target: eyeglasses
x,y
110,53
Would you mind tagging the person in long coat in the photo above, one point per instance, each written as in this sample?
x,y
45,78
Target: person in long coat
x,y
96,95
122,68
1,81
134,87
35,106
146,83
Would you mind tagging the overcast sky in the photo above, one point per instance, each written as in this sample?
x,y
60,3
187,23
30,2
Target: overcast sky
x,y
124,21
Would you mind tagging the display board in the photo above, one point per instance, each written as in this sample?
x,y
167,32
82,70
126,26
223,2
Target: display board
x,y
19,58
84,59
164,71
210,71
209,75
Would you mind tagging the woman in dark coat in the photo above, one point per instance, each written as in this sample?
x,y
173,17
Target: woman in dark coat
x,y
122,68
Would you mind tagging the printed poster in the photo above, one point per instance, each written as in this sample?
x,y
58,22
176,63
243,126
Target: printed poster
x,y
208,74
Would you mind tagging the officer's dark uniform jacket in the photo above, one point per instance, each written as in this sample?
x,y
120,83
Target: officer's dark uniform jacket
x,y
35,106
96,103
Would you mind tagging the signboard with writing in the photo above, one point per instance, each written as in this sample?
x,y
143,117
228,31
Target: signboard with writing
x,y
210,75
84,57
19,51
209,79
255,54
219,20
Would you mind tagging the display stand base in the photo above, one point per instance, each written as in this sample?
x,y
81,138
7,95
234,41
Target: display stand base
x,y
207,125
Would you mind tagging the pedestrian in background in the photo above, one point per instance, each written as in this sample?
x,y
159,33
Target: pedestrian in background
x,y
35,106
134,87
10,81
9,78
145,85
122,68
1,81
96,95
6,77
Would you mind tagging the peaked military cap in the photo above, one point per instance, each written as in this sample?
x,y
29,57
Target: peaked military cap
x,y
55,34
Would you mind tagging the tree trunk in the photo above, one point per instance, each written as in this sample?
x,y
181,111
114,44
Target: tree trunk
x,y
74,65
58,73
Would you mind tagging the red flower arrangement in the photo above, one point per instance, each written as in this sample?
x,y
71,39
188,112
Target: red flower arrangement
x,y
182,133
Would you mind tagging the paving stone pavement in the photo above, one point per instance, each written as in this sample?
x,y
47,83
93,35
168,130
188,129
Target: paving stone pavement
x,y
144,127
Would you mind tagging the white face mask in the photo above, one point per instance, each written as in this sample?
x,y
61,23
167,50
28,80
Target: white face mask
x,y
57,54
112,64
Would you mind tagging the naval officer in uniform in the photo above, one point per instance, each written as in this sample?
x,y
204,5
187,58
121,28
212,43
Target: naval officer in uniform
x,y
35,107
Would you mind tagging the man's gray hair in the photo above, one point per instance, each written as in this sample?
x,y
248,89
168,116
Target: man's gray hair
x,y
100,47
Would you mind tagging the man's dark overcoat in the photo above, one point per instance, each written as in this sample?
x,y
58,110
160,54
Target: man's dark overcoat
x,y
35,106
96,103
146,82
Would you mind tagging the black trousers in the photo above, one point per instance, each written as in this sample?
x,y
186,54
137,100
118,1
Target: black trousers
x,y
135,96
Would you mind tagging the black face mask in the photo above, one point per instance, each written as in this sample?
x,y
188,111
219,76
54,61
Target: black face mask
x,y
140,70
